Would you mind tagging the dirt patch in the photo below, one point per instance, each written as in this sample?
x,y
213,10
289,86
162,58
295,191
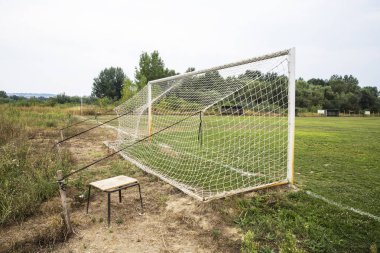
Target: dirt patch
x,y
168,224
171,221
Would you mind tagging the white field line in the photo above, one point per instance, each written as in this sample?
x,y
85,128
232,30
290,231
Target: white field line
x,y
331,202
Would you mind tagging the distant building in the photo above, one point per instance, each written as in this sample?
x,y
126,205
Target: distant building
x,y
321,112
332,112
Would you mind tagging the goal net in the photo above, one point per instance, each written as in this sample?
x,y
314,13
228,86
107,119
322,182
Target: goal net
x,y
215,132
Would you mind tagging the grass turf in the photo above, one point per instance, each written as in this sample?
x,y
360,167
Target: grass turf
x,y
334,157
235,152
339,159
331,153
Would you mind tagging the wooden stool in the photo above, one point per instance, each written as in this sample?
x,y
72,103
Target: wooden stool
x,y
114,184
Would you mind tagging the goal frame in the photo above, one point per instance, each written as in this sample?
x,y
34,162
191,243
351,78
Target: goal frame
x,y
291,113
289,180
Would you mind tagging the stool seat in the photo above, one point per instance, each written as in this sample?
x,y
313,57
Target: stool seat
x,y
113,182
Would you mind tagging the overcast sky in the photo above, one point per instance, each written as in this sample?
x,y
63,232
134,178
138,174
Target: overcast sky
x,y
60,46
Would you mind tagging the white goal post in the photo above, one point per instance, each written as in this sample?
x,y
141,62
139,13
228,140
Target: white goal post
x,y
215,132
291,113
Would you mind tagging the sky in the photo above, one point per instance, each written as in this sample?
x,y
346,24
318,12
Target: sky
x,y
61,46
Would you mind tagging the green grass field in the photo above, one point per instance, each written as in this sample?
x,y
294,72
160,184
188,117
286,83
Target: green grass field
x,y
336,158
231,153
339,158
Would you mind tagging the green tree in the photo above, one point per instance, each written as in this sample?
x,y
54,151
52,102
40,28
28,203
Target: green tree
x,y
3,94
62,98
109,83
190,69
129,89
370,99
151,67
317,81
309,96
344,84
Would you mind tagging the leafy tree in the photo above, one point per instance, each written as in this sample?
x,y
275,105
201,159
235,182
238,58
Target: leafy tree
x,y
344,84
308,95
109,83
62,98
252,74
370,99
151,67
103,102
3,94
190,69
339,92
317,81
129,89
348,101
193,89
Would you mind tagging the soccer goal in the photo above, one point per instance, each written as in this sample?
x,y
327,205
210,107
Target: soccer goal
x,y
215,132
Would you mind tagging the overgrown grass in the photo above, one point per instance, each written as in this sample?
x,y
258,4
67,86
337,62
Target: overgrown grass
x,y
27,163
17,122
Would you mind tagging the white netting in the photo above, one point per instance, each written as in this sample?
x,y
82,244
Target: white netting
x,y
215,132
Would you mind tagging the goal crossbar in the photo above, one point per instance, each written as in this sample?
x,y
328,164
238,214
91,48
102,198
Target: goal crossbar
x,y
229,65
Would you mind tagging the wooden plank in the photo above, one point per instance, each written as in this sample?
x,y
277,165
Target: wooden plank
x,y
113,182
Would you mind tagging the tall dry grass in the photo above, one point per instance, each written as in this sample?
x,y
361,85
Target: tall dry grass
x,y
27,162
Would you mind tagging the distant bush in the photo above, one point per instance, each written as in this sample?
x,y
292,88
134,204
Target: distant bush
x,y
52,101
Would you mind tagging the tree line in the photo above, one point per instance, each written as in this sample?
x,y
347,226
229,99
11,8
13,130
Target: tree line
x,y
113,86
338,92
48,101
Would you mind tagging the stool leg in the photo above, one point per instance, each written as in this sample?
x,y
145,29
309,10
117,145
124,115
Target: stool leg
x,y
109,209
141,201
88,197
119,196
